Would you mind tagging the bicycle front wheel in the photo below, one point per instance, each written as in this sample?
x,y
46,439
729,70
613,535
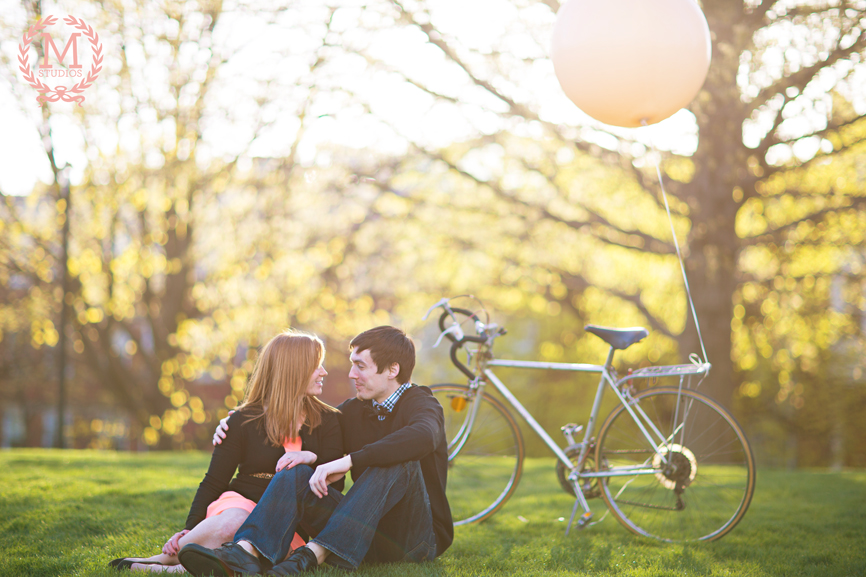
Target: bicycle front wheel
x,y
485,460
703,474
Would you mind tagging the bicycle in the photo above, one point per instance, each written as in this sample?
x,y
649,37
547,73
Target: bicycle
x,y
670,463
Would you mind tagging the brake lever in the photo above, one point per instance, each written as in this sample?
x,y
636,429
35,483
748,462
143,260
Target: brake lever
x,y
455,329
442,302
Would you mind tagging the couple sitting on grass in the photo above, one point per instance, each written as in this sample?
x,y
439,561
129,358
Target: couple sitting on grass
x,y
292,452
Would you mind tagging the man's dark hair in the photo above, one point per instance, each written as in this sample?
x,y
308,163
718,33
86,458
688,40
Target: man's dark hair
x,y
387,345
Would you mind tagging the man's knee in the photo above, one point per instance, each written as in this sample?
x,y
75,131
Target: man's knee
x,y
406,470
383,471
296,473
291,480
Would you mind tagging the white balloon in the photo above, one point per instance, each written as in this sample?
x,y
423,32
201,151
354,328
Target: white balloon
x,y
630,62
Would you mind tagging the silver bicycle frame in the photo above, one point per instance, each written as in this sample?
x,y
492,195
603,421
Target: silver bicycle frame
x,y
660,444
654,437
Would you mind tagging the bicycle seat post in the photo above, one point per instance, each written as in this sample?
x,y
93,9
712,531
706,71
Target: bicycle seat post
x,y
608,364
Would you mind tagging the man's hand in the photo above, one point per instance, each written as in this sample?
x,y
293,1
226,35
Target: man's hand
x,y
292,458
172,546
328,473
221,429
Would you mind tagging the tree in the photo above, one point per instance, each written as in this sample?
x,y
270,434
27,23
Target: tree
x,y
472,171
781,95
189,248
159,210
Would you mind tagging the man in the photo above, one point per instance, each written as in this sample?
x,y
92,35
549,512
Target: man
x,y
396,510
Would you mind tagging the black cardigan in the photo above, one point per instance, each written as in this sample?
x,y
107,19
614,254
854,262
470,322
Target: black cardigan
x,y
246,449
414,431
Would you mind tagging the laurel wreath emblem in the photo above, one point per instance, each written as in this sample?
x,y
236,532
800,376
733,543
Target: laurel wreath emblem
x,y
48,94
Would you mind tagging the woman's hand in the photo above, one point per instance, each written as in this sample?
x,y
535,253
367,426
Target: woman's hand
x,y
326,474
292,458
172,546
221,429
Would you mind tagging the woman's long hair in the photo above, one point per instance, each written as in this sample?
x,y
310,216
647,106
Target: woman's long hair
x,y
277,389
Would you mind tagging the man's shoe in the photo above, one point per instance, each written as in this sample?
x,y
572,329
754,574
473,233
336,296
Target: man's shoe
x,y
226,561
301,561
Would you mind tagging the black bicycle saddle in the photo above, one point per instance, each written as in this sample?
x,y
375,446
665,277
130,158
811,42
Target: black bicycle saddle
x,y
618,338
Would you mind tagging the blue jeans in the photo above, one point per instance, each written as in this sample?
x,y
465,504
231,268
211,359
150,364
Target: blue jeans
x,y
385,517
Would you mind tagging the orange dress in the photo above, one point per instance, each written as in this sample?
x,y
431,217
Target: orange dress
x,y
233,500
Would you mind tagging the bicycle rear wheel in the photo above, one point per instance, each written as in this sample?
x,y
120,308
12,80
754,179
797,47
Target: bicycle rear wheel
x,y
484,466
706,489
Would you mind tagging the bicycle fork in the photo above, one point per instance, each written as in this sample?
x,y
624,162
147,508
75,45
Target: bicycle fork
x,y
476,387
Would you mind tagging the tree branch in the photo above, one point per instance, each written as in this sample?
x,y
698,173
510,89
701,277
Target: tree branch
x,y
805,75
824,132
435,39
845,146
654,321
596,219
777,235
515,108
757,17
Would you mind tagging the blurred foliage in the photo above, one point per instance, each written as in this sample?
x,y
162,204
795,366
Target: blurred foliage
x,y
800,314
222,198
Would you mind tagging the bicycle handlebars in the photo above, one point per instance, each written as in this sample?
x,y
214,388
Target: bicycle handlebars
x,y
449,312
456,345
458,340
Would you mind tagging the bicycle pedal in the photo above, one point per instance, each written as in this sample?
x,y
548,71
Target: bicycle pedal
x,y
584,520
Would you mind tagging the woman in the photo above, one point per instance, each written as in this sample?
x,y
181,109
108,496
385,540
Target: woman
x,y
281,424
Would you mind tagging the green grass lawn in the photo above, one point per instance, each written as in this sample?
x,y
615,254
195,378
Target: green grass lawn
x,y
70,512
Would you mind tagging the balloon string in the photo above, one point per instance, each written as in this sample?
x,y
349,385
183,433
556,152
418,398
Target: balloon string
x,y
679,254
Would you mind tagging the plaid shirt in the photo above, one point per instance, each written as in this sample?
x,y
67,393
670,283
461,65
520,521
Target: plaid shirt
x,y
384,408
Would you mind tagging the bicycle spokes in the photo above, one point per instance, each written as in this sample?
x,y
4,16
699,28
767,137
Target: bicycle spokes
x,y
485,459
696,485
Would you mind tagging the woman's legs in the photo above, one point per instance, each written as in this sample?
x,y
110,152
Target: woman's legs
x,y
210,533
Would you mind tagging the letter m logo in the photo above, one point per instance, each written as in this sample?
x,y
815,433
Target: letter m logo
x,y
48,42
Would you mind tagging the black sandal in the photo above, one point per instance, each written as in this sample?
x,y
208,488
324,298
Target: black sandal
x,y
125,564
